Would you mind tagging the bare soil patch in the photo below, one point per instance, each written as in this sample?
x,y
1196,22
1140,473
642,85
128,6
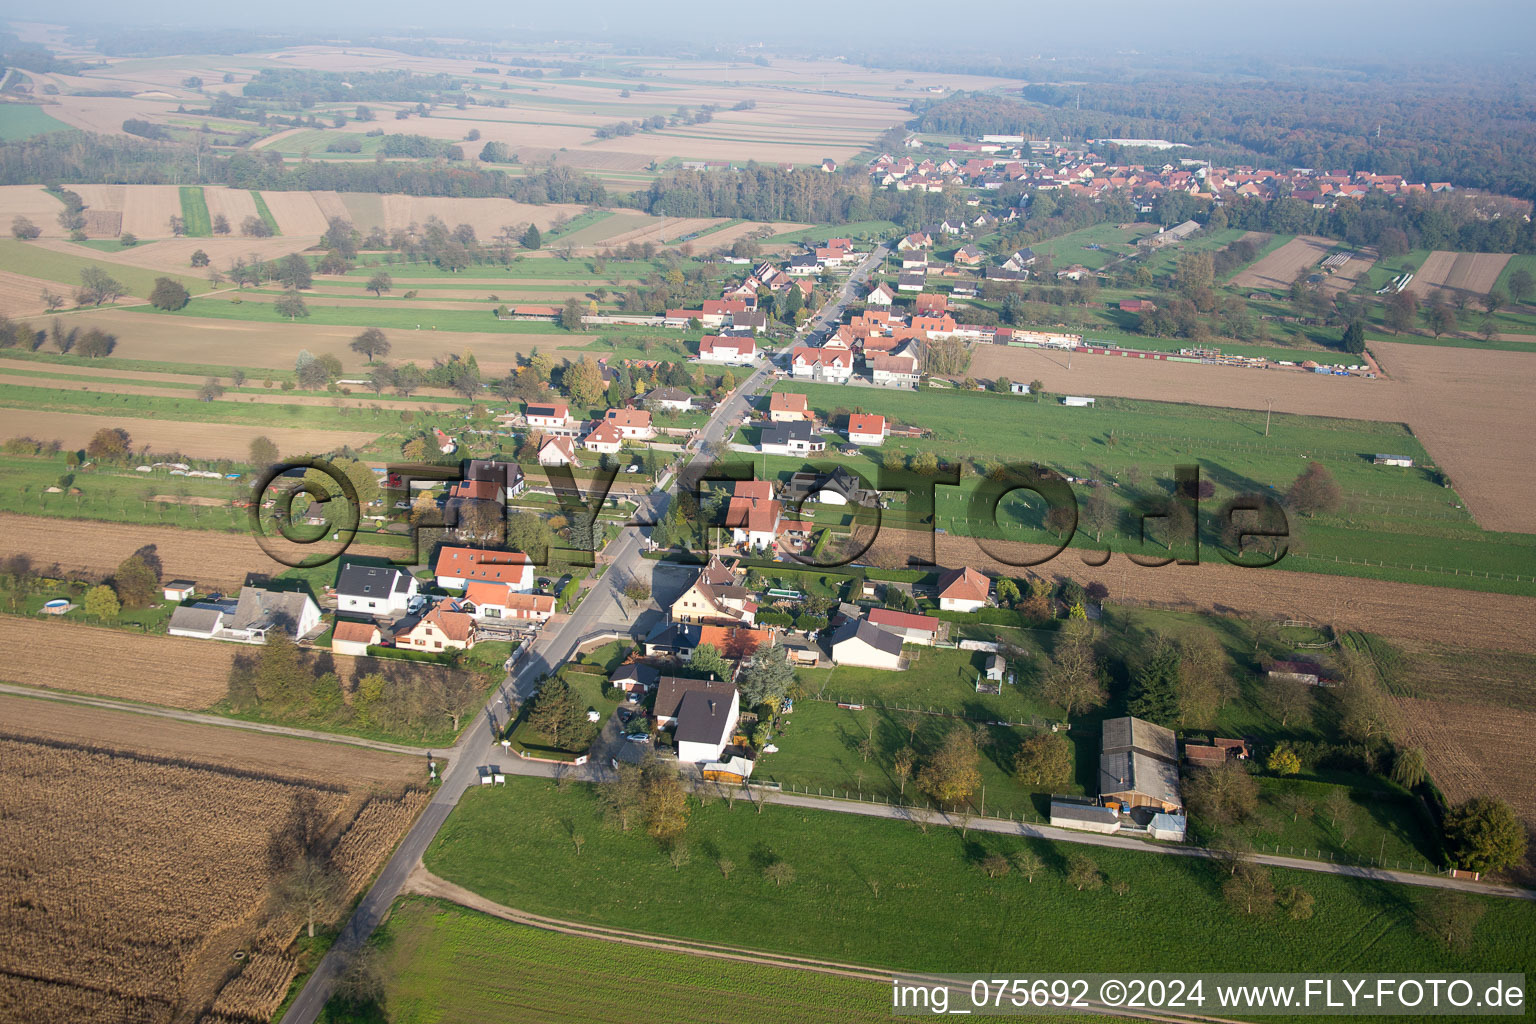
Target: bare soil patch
x,y
486,216
169,670
31,202
296,213
235,204
1458,274
147,209
198,440
175,254
1279,268
23,296
1476,750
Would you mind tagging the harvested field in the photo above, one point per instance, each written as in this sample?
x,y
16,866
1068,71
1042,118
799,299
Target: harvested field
x,y
296,213
147,209
169,670
1458,274
1452,399
486,216
1278,269
235,204
31,202
132,889
731,235
664,230
1476,750
1435,671
277,346
175,254
198,440
94,549
22,296
1390,609
365,400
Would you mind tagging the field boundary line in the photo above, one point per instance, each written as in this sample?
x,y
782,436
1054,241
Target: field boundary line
x,y
199,718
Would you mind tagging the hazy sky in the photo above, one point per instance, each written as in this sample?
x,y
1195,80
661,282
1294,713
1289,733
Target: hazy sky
x,y
1369,29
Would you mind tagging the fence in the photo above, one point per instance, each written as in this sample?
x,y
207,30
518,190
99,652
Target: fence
x,y
936,712
1412,567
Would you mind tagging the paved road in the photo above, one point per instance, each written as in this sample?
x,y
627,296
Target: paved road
x,y
603,608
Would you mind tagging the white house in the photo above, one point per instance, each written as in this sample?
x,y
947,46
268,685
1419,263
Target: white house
x,y
705,723
374,590
866,428
552,417
862,643
604,439
633,424
1077,401
491,601
179,590
557,451
889,370
882,295
457,567
963,590
834,366
791,439
670,399
259,611
727,350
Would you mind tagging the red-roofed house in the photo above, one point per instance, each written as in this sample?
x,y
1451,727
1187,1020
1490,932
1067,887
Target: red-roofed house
x,y
448,625
753,515
456,568
445,444
834,366
963,590
715,311
557,451
893,370
930,302
354,638
729,351
552,417
912,628
605,439
866,428
784,407
498,602
633,424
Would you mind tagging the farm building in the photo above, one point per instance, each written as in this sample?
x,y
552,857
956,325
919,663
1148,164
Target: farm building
x,y
1392,460
179,590
1294,672
1018,387
1084,816
1138,764
373,590
1076,401
734,771
353,637
1168,827
866,645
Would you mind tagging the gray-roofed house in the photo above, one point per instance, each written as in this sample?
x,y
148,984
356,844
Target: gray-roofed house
x,y
635,678
864,644
1138,764
201,621
790,439
1087,817
705,720
374,590
670,691
259,611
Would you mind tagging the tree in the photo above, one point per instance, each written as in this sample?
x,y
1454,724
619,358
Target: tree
x,y
1296,902
622,795
380,283
1441,317
308,888
583,383
95,344
532,239
1520,283
97,286
571,314
556,711
1250,889
102,603
1075,680
1027,863
109,443
1495,300
767,679
1155,689
220,224
1483,834
293,272
1083,873
409,379
1353,341
708,661
902,765
1283,760
168,295
1222,795
1451,919
1402,307
291,305
1314,491
1289,699
995,865
371,343
1408,767
662,800
780,873
24,229
953,772
200,258
1044,759
136,583
636,591
53,300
